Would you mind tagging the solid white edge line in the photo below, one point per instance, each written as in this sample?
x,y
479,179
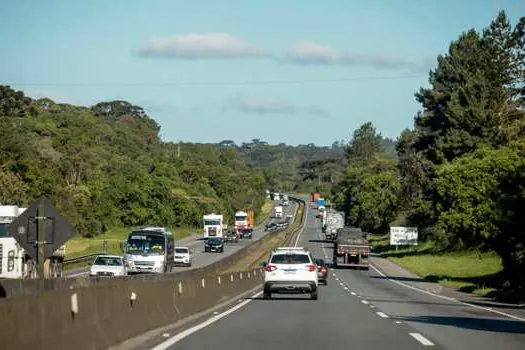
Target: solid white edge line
x,y
382,314
421,339
448,298
178,337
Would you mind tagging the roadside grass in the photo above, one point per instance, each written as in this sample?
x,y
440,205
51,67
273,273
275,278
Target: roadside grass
x,y
80,246
266,210
466,271
254,257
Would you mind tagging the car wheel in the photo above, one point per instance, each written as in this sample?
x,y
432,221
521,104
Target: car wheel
x,y
313,295
267,295
325,282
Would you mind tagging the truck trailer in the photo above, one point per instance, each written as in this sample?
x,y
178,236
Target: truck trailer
x,y
351,248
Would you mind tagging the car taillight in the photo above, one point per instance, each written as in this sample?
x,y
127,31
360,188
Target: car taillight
x,y
324,269
312,267
270,268
365,252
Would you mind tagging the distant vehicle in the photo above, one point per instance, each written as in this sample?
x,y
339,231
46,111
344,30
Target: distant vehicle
x,y
244,220
272,226
276,196
231,236
247,233
108,266
322,271
278,212
213,225
290,270
214,244
320,202
149,249
351,248
315,196
183,256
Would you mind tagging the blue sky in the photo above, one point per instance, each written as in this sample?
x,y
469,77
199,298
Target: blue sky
x,y
296,71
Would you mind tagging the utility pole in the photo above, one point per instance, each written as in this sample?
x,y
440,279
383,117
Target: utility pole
x,y
41,243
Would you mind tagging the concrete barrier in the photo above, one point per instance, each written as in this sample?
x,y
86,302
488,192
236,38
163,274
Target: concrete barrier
x,y
106,314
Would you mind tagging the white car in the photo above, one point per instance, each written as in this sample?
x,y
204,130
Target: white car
x,y
290,270
108,265
183,256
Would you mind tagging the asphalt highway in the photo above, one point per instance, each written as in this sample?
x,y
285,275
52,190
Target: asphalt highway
x,y
196,244
357,310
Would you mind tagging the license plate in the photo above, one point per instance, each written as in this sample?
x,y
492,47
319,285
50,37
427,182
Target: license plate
x,y
289,272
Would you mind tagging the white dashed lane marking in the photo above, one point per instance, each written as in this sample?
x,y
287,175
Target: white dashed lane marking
x,y
364,301
381,314
421,339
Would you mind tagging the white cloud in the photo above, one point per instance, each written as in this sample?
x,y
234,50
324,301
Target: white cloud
x,y
194,46
305,52
272,106
260,105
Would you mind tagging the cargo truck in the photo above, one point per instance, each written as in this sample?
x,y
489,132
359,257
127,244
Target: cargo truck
x,y
244,223
351,249
278,212
213,225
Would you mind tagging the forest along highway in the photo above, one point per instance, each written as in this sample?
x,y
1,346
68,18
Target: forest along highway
x,y
196,244
357,309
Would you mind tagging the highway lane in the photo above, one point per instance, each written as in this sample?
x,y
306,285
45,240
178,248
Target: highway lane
x,y
196,244
337,320
358,309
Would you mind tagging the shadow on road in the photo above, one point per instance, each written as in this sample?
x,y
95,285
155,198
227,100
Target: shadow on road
x,y
305,297
319,241
481,324
405,279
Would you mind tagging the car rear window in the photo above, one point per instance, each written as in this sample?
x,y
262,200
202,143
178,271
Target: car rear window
x,y
290,259
181,250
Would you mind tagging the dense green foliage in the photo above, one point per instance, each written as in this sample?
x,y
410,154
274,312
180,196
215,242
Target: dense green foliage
x,y
300,169
459,174
106,166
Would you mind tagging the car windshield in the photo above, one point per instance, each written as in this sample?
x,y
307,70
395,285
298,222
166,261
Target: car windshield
x,y
212,222
319,262
108,261
290,259
181,250
240,218
214,241
144,243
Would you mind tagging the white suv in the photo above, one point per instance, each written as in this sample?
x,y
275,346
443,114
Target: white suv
x,y
290,270
183,256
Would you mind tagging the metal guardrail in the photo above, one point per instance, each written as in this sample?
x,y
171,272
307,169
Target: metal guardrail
x,y
82,258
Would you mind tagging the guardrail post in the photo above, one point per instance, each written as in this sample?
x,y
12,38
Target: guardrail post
x,y
231,277
203,283
218,280
179,287
240,275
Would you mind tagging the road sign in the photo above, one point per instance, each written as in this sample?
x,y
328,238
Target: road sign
x,y
25,228
400,235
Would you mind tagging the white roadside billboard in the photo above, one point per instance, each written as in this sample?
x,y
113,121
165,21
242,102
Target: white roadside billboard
x,y
400,235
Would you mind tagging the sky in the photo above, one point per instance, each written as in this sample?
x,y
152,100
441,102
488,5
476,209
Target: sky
x,y
294,71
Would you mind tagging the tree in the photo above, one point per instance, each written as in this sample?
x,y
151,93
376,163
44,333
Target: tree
x,y
365,143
